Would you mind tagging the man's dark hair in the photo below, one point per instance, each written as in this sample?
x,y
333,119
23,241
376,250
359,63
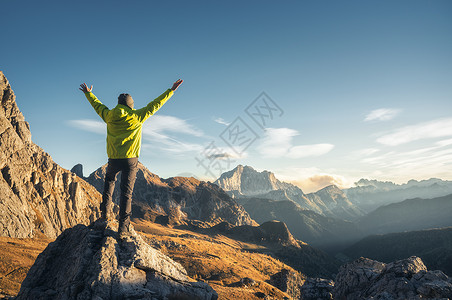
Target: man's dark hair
x,y
125,99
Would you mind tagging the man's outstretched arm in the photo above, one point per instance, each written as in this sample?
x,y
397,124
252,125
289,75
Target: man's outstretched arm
x,y
100,108
154,106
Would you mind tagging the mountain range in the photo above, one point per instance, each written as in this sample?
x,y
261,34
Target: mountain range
x,y
409,215
244,181
177,200
368,195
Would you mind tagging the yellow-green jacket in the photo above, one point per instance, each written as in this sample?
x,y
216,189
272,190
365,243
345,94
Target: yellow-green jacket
x,y
124,125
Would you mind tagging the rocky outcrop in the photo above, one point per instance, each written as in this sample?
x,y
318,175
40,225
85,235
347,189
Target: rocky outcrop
x,y
403,279
244,181
317,289
288,282
91,262
177,199
78,170
36,194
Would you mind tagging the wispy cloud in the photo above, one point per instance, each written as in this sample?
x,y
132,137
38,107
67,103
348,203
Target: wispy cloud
x,y
382,114
431,161
277,142
162,123
365,152
221,121
425,130
89,125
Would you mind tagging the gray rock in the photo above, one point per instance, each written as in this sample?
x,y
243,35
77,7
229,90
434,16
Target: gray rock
x,y
36,194
402,279
317,289
288,282
90,262
78,170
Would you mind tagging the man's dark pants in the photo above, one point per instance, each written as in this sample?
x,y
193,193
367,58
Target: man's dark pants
x,y
128,168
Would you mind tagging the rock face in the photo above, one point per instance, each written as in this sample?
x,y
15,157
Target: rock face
x,y
78,170
90,263
36,194
402,279
288,282
317,288
244,181
177,199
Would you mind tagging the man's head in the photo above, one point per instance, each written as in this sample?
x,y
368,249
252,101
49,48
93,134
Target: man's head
x,y
125,99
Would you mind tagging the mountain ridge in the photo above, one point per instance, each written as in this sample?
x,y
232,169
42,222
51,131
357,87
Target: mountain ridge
x,y
37,195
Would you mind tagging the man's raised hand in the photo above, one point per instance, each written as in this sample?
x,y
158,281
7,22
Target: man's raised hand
x,y
84,88
176,84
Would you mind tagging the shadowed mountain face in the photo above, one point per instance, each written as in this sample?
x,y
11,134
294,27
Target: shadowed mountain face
x,y
244,181
177,199
279,243
409,215
334,203
305,225
434,246
36,194
371,194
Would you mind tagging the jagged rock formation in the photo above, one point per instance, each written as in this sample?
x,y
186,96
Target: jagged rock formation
x,y
403,279
177,199
78,170
90,262
244,181
36,194
317,288
433,246
288,282
334,203
305,225
370,194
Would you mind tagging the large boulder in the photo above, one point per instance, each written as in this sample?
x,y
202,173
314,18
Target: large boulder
x,y
91,262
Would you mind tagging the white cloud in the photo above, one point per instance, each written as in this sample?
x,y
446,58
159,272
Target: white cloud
x,y
277,142
160,123
426,130
421,163
309,150
89,125
221,121
382,114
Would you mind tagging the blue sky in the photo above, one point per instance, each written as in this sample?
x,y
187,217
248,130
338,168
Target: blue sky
x,y
364,87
